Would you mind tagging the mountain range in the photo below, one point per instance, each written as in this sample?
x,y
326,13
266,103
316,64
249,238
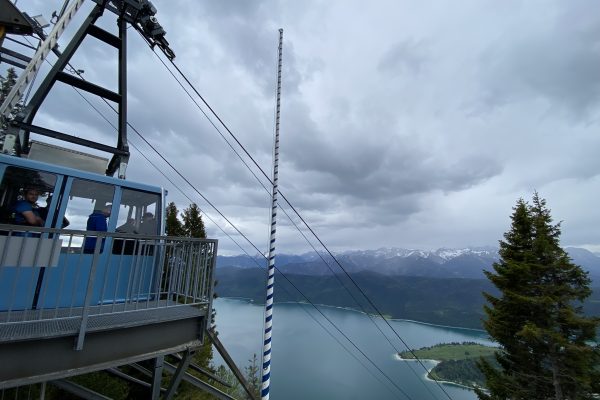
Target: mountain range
x,y
442,287
466,263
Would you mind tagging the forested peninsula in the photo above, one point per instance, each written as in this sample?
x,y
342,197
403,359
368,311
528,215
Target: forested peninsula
x,y
457,362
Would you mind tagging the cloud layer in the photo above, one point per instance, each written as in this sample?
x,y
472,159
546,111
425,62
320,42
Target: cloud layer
x,y
403,124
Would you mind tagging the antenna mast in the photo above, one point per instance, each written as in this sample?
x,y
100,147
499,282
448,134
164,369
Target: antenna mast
x,y
266,359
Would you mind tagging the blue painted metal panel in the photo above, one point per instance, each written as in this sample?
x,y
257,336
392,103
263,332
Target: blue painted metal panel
x,y
119,278
17,287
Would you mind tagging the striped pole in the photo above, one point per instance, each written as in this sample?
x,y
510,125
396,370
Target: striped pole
x,y
266,359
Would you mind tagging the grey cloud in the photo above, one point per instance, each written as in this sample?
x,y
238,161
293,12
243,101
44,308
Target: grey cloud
x,y
234,9
404,56
558,63
248,34
363,166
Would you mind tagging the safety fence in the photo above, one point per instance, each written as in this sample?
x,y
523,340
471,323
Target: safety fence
x,y
58,274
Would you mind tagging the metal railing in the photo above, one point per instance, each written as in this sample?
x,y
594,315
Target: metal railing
x,y
68,275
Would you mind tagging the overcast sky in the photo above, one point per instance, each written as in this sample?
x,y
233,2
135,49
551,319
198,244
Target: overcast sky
x,y
403,123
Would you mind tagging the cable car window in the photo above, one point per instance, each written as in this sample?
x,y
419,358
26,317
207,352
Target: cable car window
x,y
25,196
89,205
138,212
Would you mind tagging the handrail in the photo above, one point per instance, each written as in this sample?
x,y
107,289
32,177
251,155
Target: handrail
x,y
47,274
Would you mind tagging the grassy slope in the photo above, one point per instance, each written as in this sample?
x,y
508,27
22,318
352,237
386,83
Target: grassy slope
x,y
451,351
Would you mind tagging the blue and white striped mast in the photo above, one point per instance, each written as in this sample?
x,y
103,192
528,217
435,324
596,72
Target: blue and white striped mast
x,y
266,358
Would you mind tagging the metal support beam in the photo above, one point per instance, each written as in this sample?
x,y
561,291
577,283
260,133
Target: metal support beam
x,y
141,369
88,87
69,138
22,44
11,62
120,374
119,163
157,376
191,379
229,361
78,390
179,373
14,54
207,374
104,36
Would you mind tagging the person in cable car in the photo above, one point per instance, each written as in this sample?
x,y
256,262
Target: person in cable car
x,y
127,227
148,225
26,210
96,222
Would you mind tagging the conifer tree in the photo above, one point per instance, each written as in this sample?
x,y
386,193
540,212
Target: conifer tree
x,y
6,84
537,319
252,375
173,225
192,222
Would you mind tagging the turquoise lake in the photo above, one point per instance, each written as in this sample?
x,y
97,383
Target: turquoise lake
x,y
309,360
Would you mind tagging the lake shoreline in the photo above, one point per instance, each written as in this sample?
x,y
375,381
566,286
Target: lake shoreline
x,y
426,375
251,301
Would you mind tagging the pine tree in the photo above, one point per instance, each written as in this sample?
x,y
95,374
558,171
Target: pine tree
x,y
6,84
192,222
252,375
173,224
537,319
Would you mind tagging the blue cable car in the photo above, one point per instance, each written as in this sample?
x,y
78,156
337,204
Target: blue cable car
x,y
37,266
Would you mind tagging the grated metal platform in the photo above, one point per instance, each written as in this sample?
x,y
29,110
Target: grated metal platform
x,y
18,325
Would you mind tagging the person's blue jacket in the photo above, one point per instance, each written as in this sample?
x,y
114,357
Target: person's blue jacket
x,y
22,206
96,222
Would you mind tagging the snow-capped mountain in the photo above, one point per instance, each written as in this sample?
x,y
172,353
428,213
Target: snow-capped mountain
x,y
388,261
440,263
444,253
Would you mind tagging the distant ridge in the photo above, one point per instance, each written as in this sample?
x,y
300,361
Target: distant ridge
x,y
468,263
441,287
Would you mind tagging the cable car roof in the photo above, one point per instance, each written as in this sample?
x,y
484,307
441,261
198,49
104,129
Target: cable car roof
x,y
42,166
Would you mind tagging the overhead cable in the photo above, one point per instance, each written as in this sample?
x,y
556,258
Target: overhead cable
x,y
304,222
